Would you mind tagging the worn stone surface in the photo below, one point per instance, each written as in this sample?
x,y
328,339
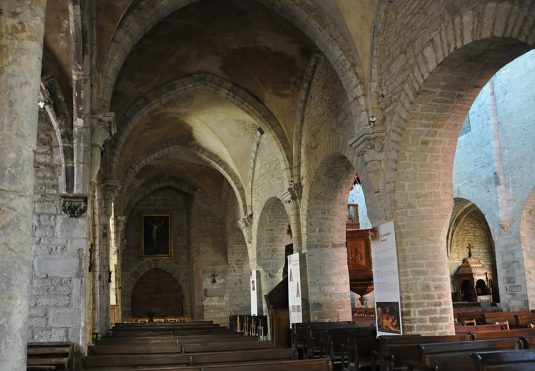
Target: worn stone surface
x,y
21,38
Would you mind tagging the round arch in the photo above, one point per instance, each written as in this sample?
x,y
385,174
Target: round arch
x,y
469,233
429,123
325,204
316,25
271,238
157,294
130,278
324,240
212,84
198,151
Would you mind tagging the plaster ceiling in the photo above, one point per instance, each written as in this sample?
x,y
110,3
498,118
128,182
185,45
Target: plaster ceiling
x,y
239,41
201,118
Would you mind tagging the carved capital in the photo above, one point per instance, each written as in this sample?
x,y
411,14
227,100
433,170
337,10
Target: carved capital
x,y
293,194
74,205
369,148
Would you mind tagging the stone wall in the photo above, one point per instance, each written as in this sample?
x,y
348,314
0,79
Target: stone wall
x,y
133,265
209,259
60,251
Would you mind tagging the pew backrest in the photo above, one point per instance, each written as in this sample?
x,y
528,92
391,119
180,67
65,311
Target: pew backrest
x,y
505,360
49,355
457,355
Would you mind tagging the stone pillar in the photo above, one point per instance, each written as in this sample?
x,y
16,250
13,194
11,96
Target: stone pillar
x,y
21,40
327,284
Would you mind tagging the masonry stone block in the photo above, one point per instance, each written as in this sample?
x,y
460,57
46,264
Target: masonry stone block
x,y
56,266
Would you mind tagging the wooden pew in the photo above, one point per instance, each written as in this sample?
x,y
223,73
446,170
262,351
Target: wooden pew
x,y
462,315
506,360
478,328
185,359
318,341
317,364
525,319
359,348
500,334
398,351
493,317
174,338
51,355
457,356
301,330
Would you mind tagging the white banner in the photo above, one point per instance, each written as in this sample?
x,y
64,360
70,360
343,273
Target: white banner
x,y
254,295
386,281
294,289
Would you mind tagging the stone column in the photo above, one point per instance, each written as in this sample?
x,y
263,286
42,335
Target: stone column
x,y
21,40
327,284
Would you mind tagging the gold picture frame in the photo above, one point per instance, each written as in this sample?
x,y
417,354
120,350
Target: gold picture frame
x,y
156,234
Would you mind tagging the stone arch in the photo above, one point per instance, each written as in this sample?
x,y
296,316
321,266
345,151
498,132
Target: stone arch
x,y
173,184
434,110
527,238
57,110
315,24
324,240
157,294
198,151
487,36
271,237
469,227
130,278
325,204
215,85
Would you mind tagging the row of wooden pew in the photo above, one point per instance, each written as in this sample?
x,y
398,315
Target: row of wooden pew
x,y
351,348
190,346
514,319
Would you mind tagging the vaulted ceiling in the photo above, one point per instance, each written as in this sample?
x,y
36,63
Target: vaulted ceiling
x,y
201,80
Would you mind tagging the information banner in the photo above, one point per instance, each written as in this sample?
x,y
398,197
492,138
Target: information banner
x,y
254,295
294,289
386,281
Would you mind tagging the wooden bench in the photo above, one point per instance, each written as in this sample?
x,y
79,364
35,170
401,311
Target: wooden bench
x,y
493,317
317,364
506,360
301,330
360,348
396,352
525,319
318,341
163,339
477,328
500,334
457,356
185,359
49,356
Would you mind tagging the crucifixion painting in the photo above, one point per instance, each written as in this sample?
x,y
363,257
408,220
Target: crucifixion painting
x,y
156,234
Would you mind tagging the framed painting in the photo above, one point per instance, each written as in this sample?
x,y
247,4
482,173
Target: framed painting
x,y
156,234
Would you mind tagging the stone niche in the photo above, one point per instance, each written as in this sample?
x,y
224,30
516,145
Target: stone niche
x,y
474,281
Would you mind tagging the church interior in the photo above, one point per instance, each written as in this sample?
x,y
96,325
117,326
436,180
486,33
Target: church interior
x,y
162,159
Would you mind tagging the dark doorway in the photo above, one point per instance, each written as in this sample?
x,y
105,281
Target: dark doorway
x,y
157,294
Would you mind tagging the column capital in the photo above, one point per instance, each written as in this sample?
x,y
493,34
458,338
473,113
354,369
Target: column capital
x,y
74,205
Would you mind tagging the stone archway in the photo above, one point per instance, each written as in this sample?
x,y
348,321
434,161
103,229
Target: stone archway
x,y
270,241
469,229
424,171
157,294
325,240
